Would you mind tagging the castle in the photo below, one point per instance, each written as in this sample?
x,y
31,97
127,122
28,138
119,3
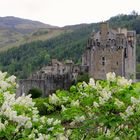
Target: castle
x,y
56,75
111,50
107,50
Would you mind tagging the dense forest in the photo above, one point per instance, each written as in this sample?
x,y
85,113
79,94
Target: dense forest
x,y
29,57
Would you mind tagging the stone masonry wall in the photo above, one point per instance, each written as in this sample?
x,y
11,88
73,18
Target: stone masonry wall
x,y
48,85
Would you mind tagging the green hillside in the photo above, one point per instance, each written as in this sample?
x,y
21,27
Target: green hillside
x,y
16,31
69,44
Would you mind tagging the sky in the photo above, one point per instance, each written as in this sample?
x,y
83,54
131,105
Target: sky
x,y
67,12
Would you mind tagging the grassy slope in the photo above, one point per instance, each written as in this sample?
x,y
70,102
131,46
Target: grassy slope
x,y
16,31
9,40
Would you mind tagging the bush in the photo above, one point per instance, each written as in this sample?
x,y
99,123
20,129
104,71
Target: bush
x,y
35,93
103,109
19,118
42,105
83,77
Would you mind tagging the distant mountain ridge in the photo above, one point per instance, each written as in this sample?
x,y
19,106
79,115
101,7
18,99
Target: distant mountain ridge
x,y
17,23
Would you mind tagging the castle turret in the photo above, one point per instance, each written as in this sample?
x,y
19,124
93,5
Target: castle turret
x,y
104,30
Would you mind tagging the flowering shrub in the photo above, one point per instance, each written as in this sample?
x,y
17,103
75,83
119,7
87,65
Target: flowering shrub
x,y
102,110
19,118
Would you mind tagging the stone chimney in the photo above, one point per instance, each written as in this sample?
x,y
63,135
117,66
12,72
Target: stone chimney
x,y
104,30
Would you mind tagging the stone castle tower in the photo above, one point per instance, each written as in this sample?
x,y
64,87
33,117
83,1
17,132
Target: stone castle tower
x,y
111,50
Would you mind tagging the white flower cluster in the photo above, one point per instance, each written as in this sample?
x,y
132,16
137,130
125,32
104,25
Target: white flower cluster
x,y
84,94
62,137
52,121
135,101
116,138
63,108
111,76
7,109
53,99
121,81
105,95
11,79
5,83
41,137
118,103
95,104
84,84
21,113
25,100
107,133
2,126
75,103
129,111
123,116
92,82
79,118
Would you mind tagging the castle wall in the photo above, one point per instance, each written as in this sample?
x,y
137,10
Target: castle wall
x,y
104,61
86,58
130,60
48,85
55,82
26,85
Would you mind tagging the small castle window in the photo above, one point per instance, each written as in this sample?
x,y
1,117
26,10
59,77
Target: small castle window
x,y
103,58
125,53
103,61
98,44
122,41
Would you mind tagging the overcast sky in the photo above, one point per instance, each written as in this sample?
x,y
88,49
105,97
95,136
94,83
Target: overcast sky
x,y
67,12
